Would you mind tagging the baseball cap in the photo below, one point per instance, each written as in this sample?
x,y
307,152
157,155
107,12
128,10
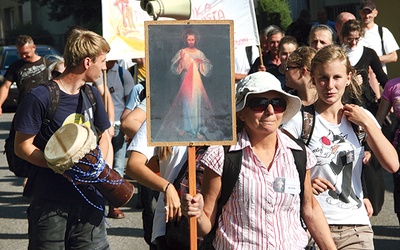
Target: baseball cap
x,y
262,82
368,4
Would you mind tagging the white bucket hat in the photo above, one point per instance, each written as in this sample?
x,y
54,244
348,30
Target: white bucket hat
x,y
261,82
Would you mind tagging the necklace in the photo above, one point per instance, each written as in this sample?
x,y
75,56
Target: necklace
x,y
65,88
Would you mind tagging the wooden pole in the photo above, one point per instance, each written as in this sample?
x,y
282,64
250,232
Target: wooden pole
x,y
105,89
192,192
261,55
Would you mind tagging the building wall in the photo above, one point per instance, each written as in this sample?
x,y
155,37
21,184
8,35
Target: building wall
x,y
13,14
387,13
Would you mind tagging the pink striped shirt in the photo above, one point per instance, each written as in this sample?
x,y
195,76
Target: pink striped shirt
x,y
255,216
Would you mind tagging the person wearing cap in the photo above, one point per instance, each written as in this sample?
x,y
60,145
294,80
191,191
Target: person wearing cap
x,y
336,179
372,38
257,216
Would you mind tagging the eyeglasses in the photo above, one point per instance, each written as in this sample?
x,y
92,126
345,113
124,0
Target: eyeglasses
x,y
291,67
349,40
261,104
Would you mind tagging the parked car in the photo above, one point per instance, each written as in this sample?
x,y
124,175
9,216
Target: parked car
x,y
8,55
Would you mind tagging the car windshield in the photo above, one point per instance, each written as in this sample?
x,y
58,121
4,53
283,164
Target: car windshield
x,y
11,55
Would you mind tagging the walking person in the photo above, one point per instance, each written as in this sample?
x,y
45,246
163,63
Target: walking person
x,y
59,217
257,215
28,72
336,180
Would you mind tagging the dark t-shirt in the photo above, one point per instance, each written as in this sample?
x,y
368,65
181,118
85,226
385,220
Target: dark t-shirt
x,y
43,183
267,60
28,75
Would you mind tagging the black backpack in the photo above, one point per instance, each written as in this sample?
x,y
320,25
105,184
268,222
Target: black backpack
x,y
19,166
177,233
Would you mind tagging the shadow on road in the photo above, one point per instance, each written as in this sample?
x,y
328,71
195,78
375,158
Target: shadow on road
x,y
125,232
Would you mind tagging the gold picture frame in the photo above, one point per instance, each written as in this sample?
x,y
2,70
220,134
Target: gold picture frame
x,y
190,83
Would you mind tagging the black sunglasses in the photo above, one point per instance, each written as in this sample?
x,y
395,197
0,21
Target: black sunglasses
x,y
261,104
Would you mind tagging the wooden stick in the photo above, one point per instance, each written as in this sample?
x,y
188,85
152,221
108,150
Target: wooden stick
x,y
261,55
105,88
192,192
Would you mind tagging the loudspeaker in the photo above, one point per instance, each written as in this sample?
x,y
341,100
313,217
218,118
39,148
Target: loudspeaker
x,y
178,9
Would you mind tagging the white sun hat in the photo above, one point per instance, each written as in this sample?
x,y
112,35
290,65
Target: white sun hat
x,y
262,82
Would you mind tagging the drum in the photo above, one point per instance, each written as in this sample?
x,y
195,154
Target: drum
x,y
72,151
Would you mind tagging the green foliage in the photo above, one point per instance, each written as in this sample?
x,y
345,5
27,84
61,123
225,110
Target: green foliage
x,y
39,35
280,7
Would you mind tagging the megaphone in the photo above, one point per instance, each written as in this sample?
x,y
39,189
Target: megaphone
x,y
178,9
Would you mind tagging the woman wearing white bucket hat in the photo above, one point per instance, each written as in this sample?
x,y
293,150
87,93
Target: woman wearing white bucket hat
x,y
258,215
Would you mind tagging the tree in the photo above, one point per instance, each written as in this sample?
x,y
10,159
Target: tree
x,y
277,12
86,13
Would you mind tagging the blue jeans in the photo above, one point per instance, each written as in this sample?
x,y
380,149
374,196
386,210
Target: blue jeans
x,y
55,225
119,145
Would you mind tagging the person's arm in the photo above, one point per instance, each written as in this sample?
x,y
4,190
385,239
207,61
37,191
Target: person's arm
x,y
391,57
104,143
314,218
110,106
132,122
376,67
204,205
137,169
239,77
377,142
25,149
383,110
4,90
124,114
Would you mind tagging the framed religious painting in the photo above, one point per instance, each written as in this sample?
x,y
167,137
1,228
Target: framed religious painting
x,y
190,83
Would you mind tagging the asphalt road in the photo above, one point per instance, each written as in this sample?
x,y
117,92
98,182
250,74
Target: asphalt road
x,y
127,233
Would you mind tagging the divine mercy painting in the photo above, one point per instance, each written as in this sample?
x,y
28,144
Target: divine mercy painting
x,y
190,83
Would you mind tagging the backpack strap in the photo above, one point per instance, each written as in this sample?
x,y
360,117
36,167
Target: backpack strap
x,y
89,93
300,159
380,30
55,95
308,114
121,75
230,175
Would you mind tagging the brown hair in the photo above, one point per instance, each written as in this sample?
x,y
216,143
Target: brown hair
x,y
302,57
351,26
332,53
84,44
23,40
164,152
287,40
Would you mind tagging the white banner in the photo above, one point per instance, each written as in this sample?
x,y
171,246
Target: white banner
x,y
123,23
